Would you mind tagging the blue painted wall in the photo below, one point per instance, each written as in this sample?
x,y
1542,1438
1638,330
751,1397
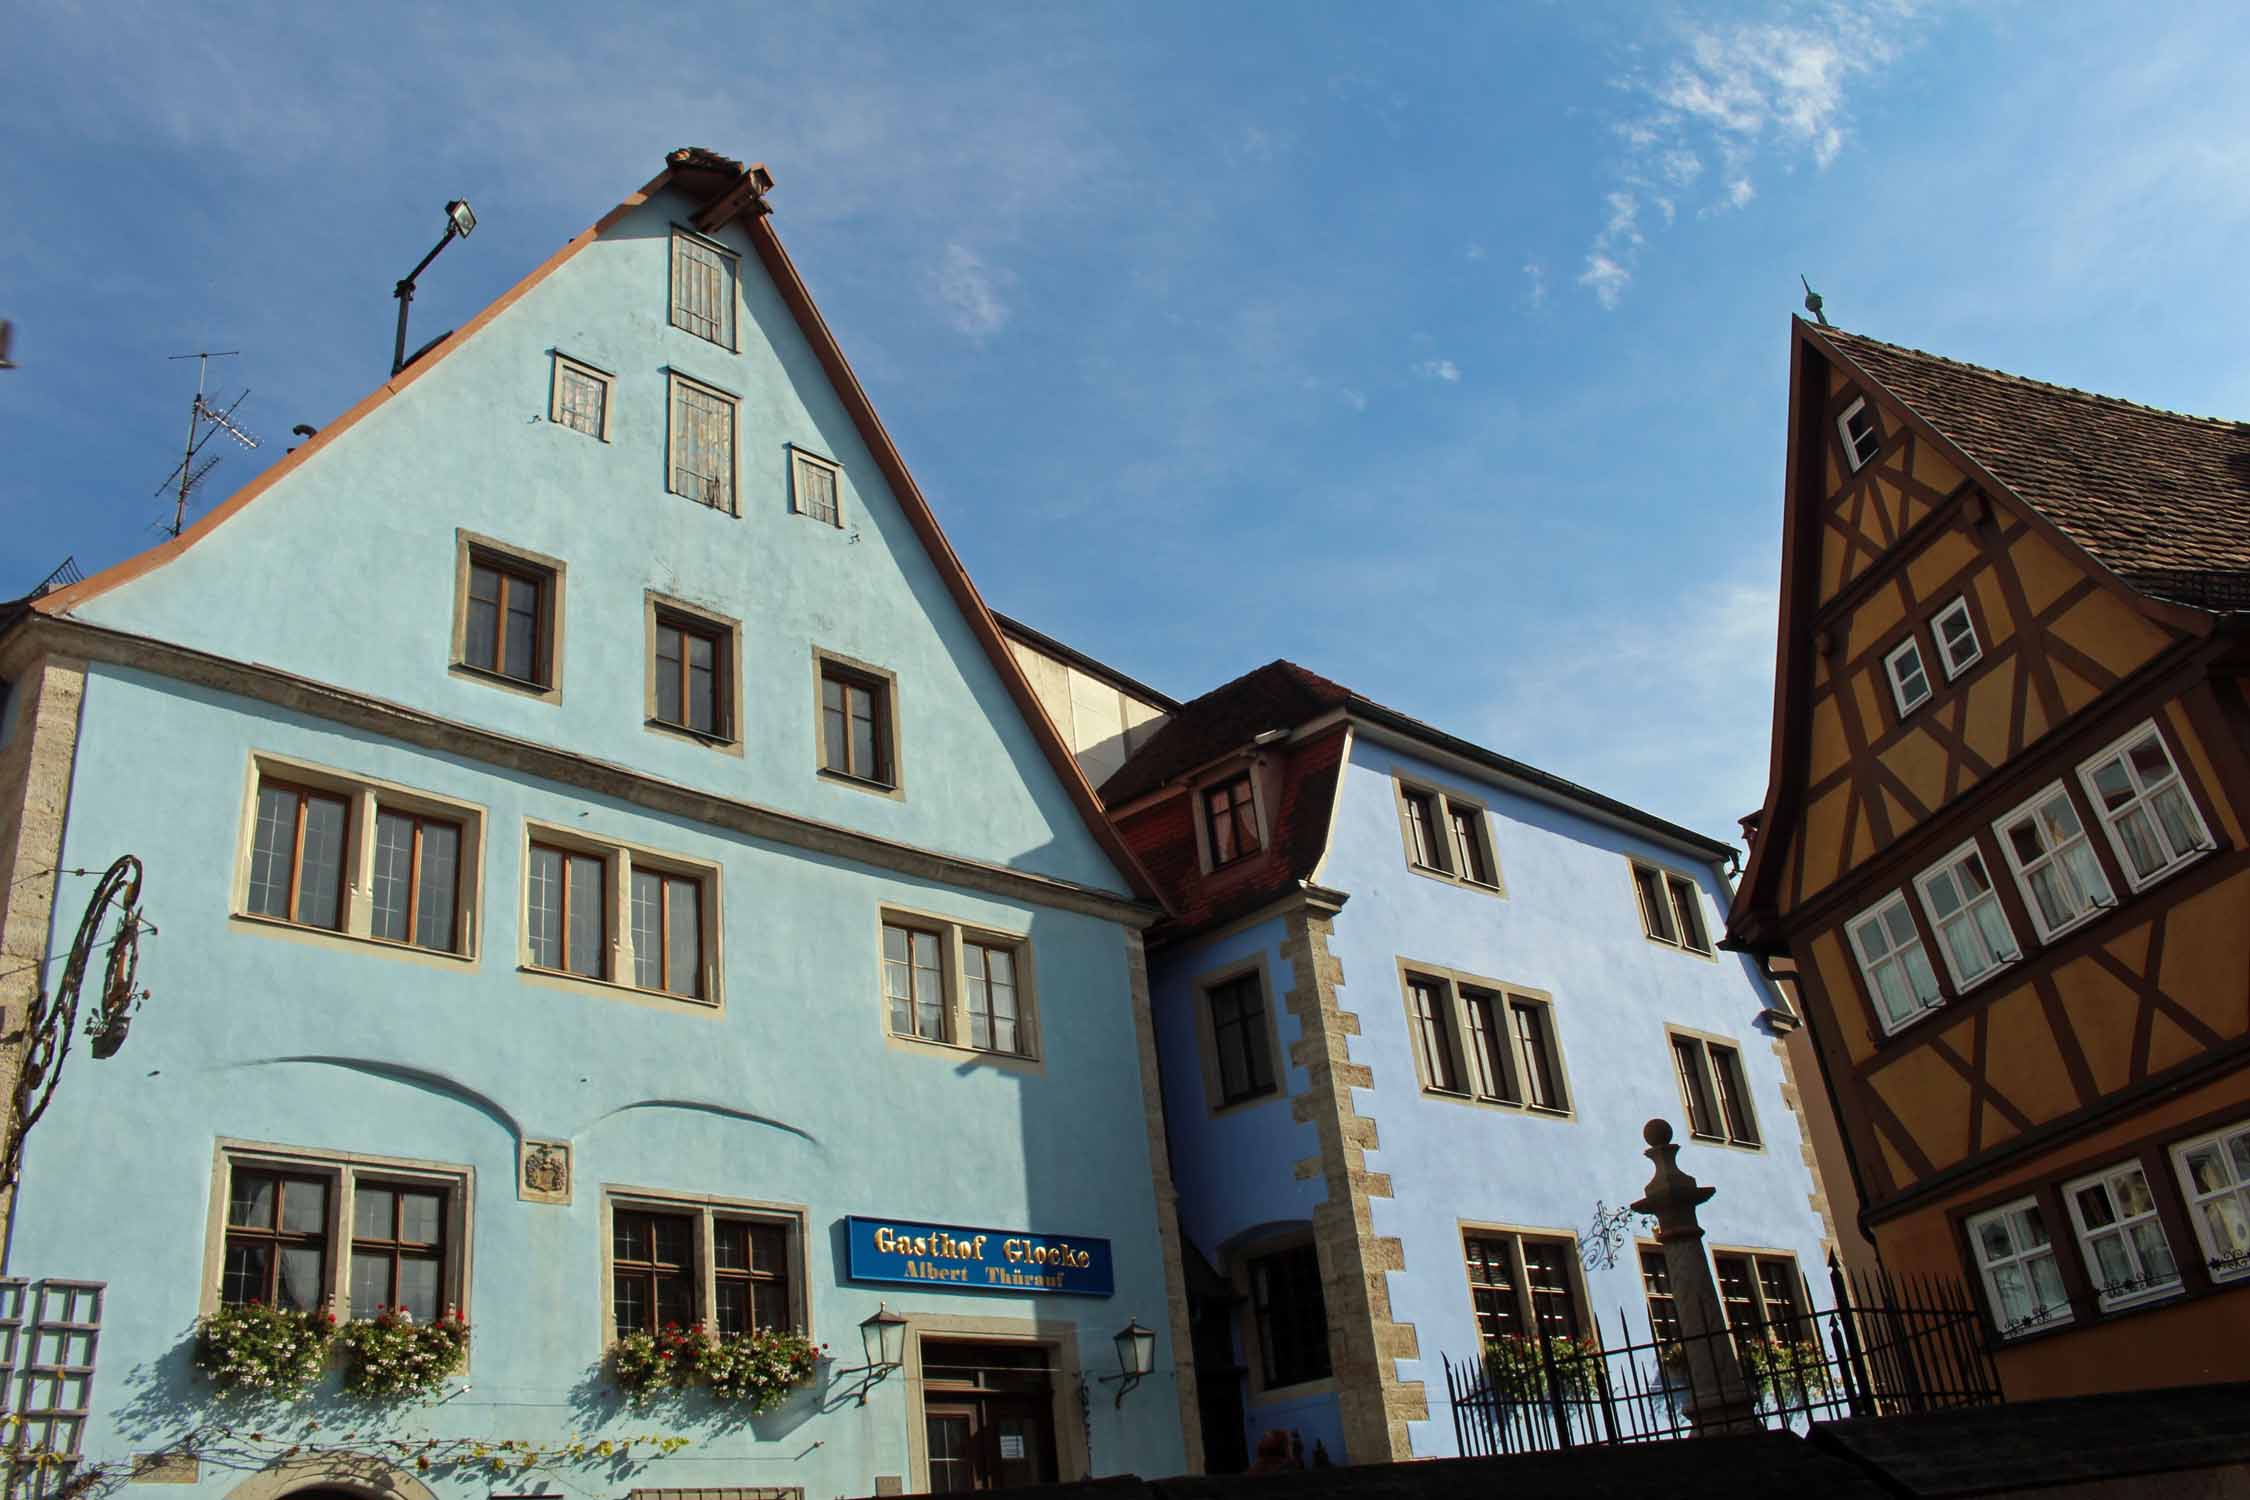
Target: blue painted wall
x,y
344,573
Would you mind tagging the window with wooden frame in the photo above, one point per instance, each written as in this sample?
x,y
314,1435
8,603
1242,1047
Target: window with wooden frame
x,y
619,914
691,673
1290,1315
1476,1039
1239,1029
1972,930
816,487
1956,633
2015,1258
581,397
1447,836
1909,678
1714,1089
1523,1284
361,859
356,1234
704,276
733,1266
856,727
508,620
2215,1181
1663,1304
1230,820
2054,862
1893,963
1761,1294
702,443
2153,823
954,985
1428,1002
1538,1068
1862,441
2120,1237
1671,908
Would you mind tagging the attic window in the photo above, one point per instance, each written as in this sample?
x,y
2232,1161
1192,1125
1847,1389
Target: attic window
x,y
703,287
1861,440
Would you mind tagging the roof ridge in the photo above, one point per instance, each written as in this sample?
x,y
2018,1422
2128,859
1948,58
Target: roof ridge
x,y
2032,380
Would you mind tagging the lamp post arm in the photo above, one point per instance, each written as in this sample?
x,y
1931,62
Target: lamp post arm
x,y
404,291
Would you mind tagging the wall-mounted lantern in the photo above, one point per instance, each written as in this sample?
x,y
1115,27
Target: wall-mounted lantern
x,y
1136,1357
883,1337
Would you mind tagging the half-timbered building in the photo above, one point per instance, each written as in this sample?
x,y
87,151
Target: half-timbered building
x,y
2003,848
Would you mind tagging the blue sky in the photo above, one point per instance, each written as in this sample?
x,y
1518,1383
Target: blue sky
x,y
1440,349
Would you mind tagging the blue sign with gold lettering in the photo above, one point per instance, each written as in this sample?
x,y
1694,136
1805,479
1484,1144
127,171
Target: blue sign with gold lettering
x,y
948,1257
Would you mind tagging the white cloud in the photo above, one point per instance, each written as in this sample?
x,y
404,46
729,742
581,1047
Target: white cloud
x,y
1777,88
967,292
1356,400
1538,275
1439,369
1473,252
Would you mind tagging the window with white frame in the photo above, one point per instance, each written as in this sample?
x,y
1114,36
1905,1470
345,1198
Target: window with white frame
x,y
732,1266
361,858
1972,930
581,397
703,288
1671,908
1446,835
620,914
2054,861
1910,680
816,487
2215,1178
317,1230
2152,821
1480,1040
1861,441
1956,636
2016,1258
2124,1246
702,443
1893,962
953,985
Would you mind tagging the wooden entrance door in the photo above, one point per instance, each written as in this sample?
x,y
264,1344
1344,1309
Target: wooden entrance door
x,y
989,1415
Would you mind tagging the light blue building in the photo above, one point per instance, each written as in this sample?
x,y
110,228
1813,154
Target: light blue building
x,y
608,869
1413,1008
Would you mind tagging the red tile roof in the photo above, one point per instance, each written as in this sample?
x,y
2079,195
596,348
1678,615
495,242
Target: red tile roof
x,y
2160,499
1278,695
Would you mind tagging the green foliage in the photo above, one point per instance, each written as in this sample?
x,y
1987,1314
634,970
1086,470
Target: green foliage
x,y
647,1364
262,1350
1513,1366
756,1370
1786,1369
395,1358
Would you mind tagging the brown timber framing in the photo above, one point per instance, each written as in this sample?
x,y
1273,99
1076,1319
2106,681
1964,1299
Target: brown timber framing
x,y
411,726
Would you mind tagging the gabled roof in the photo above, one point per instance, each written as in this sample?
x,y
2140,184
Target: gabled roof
x,y
2160,499
729,192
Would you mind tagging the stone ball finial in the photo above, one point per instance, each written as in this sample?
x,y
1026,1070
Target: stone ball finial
x,y
1657,1132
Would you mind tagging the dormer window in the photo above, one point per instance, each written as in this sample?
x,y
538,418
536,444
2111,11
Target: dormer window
x,y
1861,440
1230,820
1957,639
1910,680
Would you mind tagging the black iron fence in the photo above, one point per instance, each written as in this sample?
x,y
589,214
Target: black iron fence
x,y
1887,1346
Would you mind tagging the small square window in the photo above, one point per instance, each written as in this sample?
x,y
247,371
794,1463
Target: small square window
x,y
581,398
703,288
857,732
1861,441
1957,638
702,444
816,487
1910,681
691,673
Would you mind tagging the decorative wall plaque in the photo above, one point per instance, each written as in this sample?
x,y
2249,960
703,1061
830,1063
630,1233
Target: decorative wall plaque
x,y
543,1171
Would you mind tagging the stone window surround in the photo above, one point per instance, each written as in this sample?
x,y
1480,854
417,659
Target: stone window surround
x,y
606,379
1457,1030
341,1169
729,677
1207,1042
953,933
1238,1275
1043,1328
800,458
1710,1039
1754,1254
1218,774
1665,876
1515,1235
704,1209
1445,803
619,858
469,548
893,736
363,794
733,259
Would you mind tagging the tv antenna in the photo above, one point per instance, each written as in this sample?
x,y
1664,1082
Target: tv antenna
x,y
205,422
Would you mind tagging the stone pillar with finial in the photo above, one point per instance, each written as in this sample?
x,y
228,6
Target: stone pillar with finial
x,y
1719,1399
